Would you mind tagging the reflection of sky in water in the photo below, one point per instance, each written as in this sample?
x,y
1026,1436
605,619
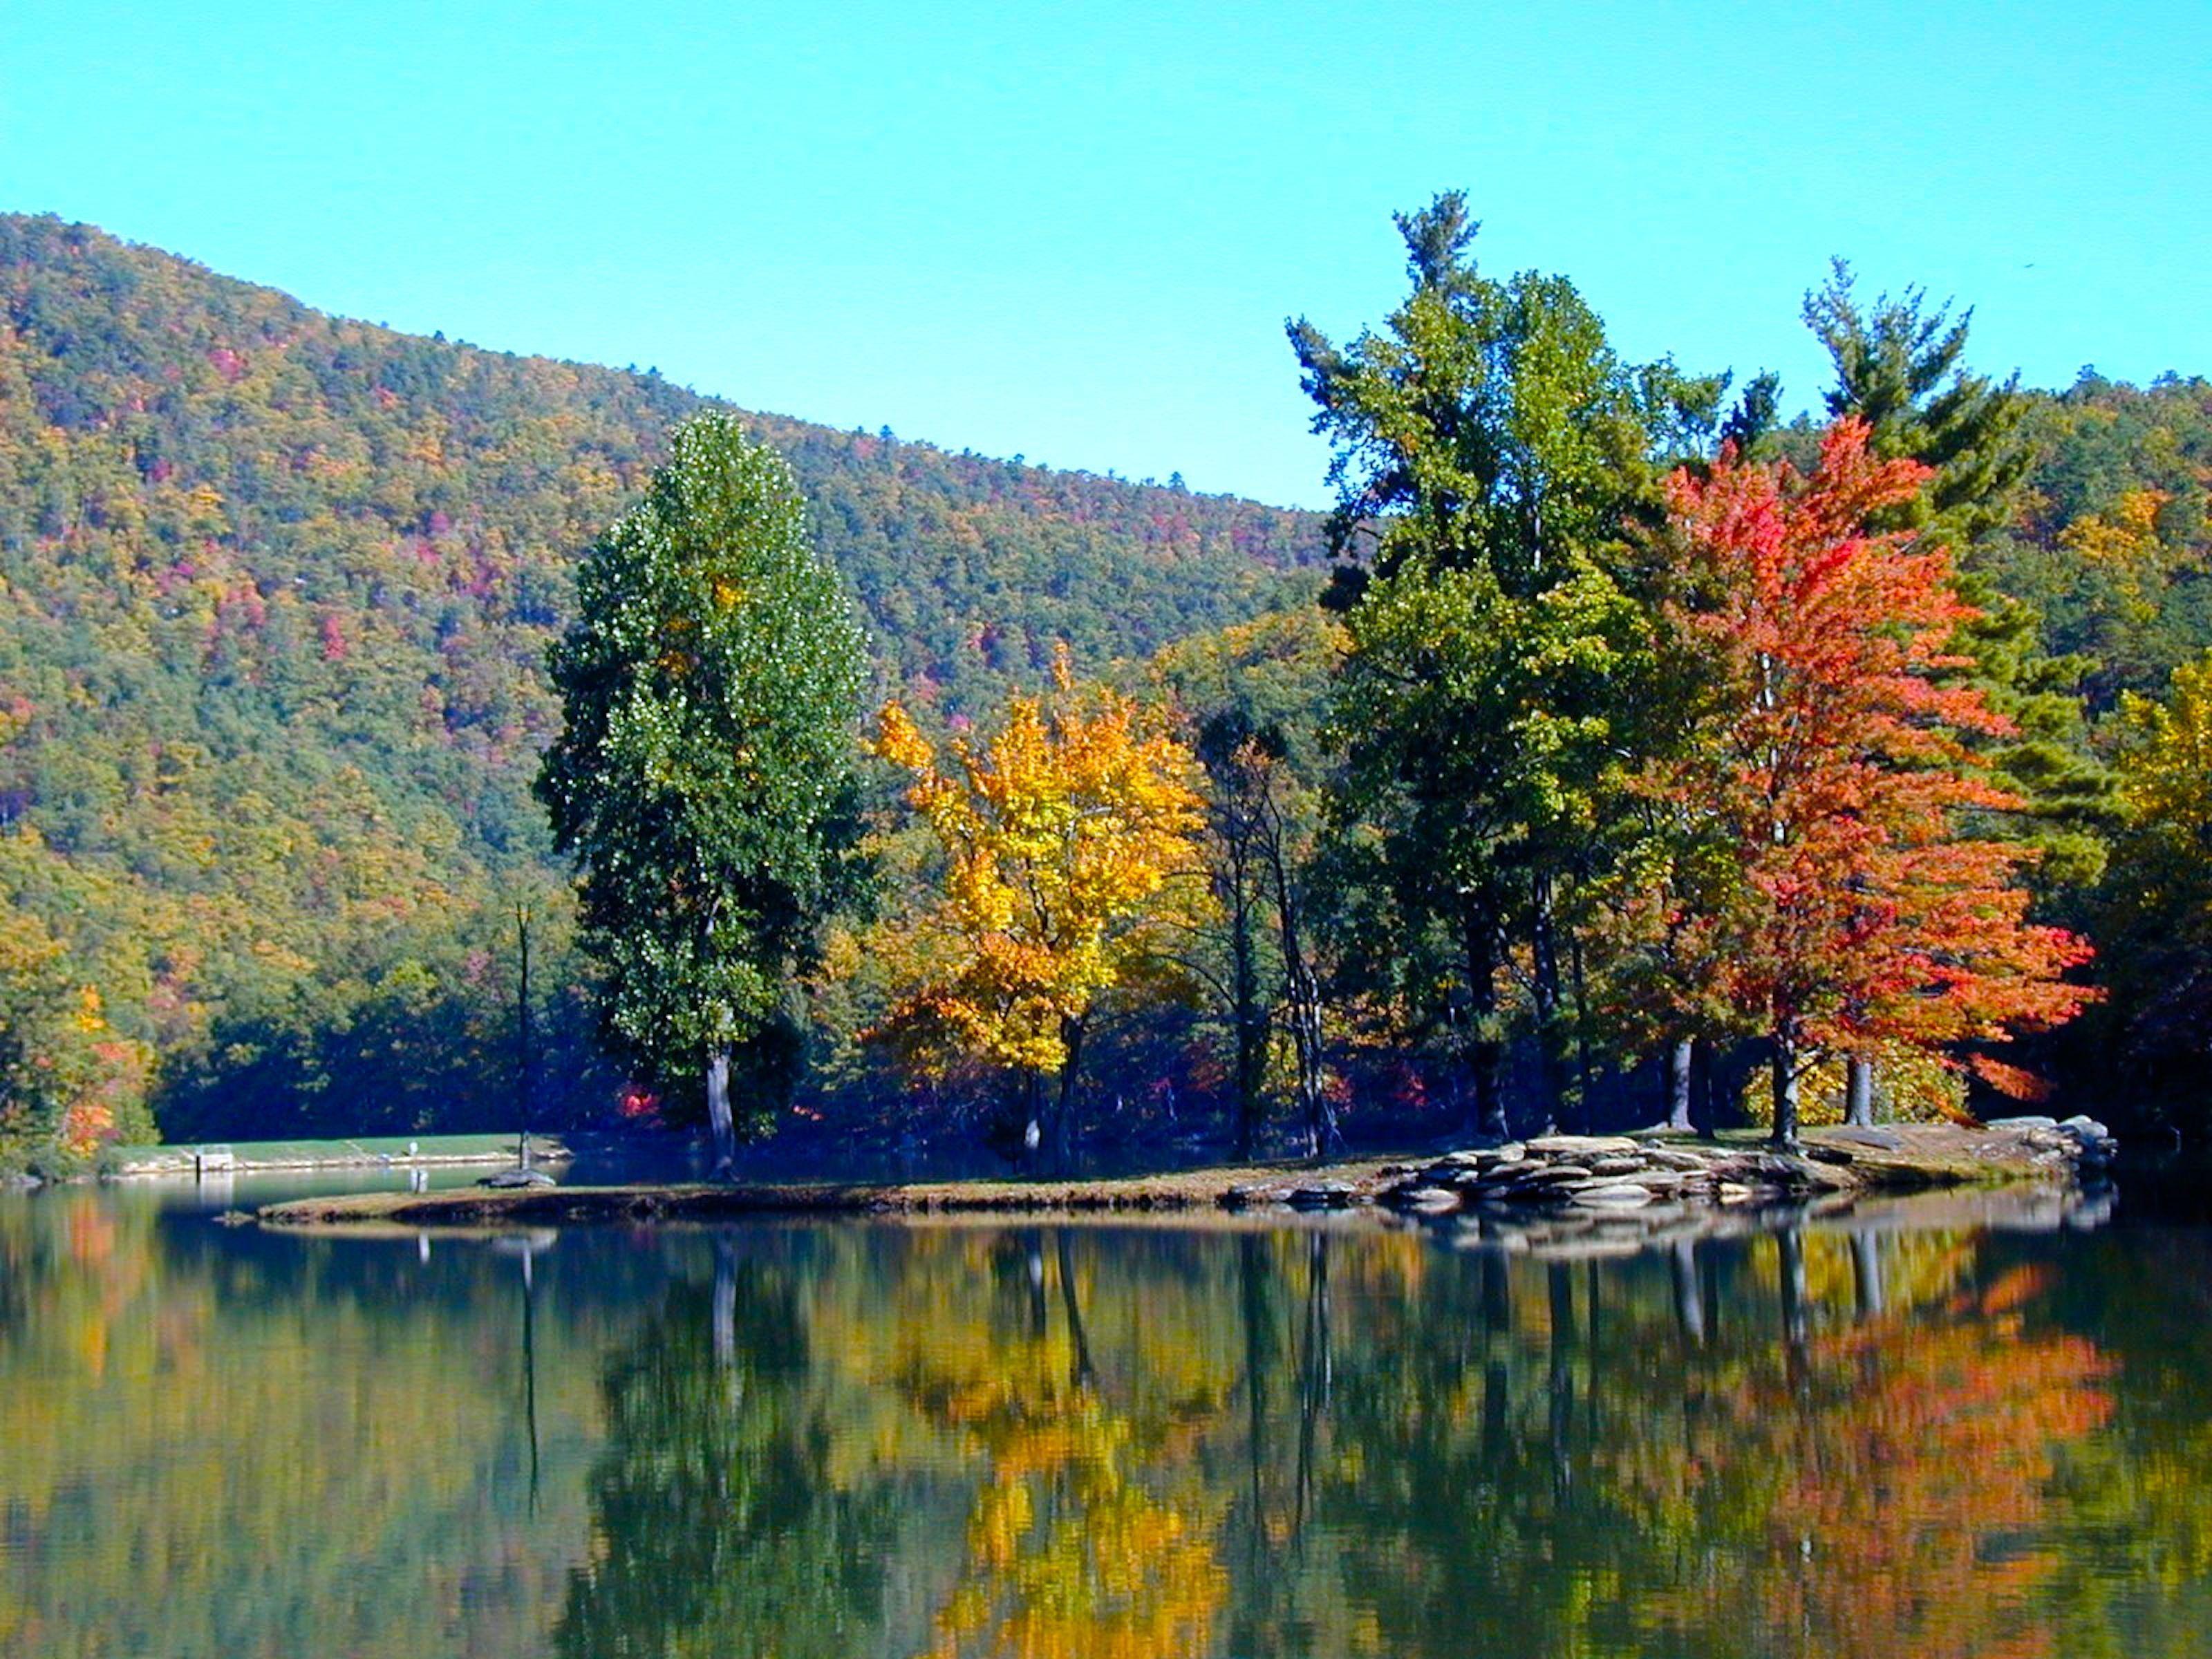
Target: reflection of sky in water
x,y
1920,1433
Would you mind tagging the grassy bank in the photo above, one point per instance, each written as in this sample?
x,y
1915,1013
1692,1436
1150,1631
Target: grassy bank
x,y
405,1151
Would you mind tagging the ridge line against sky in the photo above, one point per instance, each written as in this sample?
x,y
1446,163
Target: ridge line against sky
x,y
1074,235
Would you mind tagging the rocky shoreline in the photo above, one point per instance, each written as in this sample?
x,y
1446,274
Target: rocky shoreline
x,y
1628,1172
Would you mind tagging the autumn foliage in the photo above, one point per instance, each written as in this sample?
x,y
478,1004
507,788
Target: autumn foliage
x,y
1829,888
1064,839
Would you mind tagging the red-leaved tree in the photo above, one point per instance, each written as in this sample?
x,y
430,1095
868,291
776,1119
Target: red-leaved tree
x,y
1822,884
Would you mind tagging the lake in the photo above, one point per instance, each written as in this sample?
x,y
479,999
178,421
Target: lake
x,y
1939,1429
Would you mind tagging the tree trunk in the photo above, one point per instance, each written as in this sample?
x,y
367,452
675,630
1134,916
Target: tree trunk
x,y
1063,1123
1250,1019
1251,1282
1584,1070
1301,1011
1866,1265
719,1124
1559,1278
1703,1106
1033,1151
523,1060
1678,1056
1479,942
1689,1297
1317,1375
1796,1300
1079,1365
1543,989
1858,1090
1785,1091
726,1305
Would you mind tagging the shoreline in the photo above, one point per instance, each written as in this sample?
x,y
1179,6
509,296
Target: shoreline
x,y
1647,1178
363,1152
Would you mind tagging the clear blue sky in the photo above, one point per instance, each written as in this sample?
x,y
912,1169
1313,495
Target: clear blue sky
x,y
1073,232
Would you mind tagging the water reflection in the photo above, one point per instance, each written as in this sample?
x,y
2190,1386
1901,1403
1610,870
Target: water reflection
x,y
1864,1436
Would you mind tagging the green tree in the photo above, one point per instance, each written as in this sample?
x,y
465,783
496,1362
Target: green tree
x,y
711,684
1490,448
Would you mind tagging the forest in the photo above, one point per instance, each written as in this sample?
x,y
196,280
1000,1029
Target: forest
x,y
1615,750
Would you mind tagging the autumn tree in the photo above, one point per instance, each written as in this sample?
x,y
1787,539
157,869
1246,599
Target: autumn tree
x,y
711,685
1820,881
1069,847
1900,366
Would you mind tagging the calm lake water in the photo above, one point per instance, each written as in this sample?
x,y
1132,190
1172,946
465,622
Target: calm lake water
x,y
1915,1435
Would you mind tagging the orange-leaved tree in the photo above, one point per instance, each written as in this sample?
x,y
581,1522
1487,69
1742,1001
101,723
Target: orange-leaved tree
x,y
1069,842
1826,792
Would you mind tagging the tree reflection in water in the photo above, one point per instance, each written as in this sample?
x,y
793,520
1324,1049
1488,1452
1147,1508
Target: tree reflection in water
x,y
716,1526
1854,1439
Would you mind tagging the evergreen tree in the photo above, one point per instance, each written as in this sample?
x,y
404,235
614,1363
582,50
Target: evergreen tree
x,y
1900,367
711,685
1491,448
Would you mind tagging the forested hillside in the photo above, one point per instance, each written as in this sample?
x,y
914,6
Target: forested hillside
x,y
274,595
275,591
2112,546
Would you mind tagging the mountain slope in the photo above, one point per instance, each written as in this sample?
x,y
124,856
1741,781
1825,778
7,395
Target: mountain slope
x,y
275,591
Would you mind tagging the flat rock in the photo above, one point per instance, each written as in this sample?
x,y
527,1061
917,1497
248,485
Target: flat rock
x,y
1481,1158
1888,1140
1323,1196
1543,1175
1580,1146
1672,1157
1619,1164
2030,1122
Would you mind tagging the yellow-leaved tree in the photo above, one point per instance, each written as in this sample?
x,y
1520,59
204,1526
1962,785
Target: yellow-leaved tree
x,y
1070,874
